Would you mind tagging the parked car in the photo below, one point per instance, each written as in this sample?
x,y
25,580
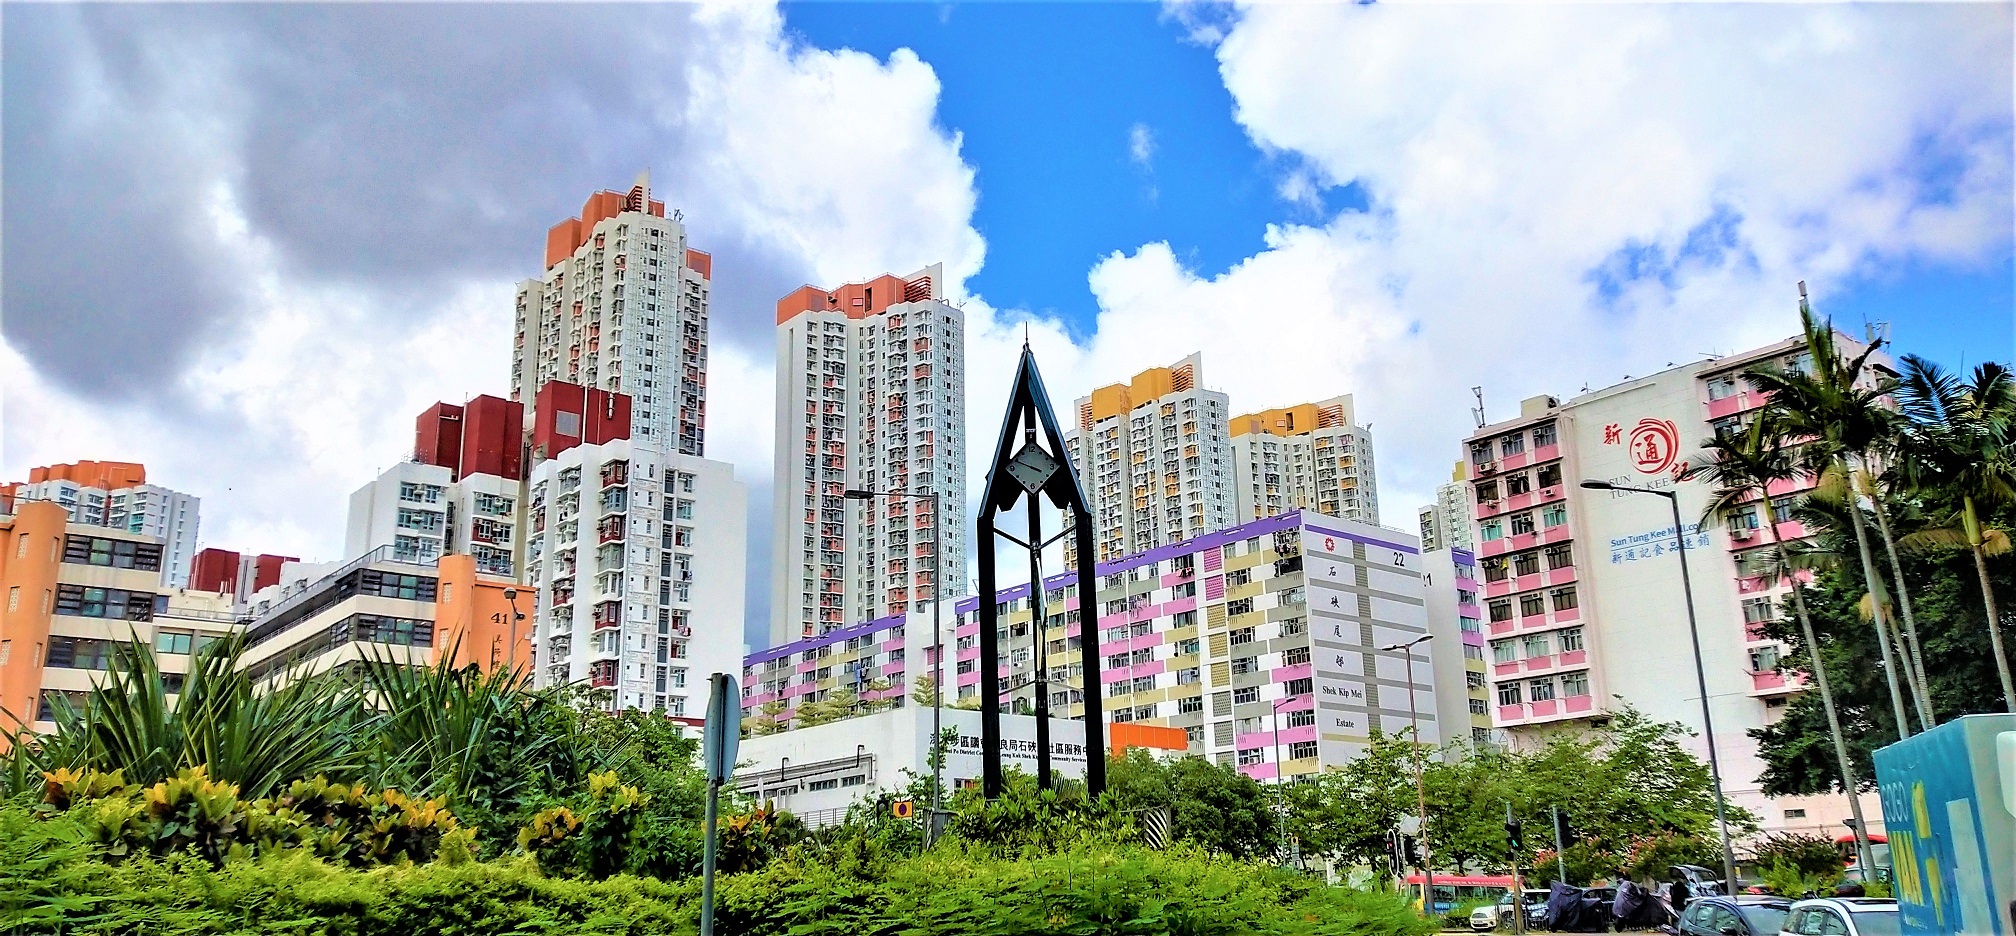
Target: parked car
x,y
1499,916
1743,915
1843,916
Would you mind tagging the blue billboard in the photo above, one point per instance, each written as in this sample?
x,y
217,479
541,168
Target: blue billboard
x,y
1949,805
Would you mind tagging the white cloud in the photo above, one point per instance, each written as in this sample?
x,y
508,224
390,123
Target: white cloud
x,y
1141,145
831,160
1510,153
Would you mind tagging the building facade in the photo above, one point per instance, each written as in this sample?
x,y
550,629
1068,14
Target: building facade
x,y
1308,457
1462,679
461,493
224,572
75,593
622,306
1445,524
870,395
1154,460
378,607
1582,590
117,495
637,557
1263,643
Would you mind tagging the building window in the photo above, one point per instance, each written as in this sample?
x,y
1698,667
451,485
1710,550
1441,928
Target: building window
x,y
1495,569
1190,706
1564,598
1301,718
1531,605
1301,750
1526,563
119,554
1476,680
1295,656
1721,386
1242,636
1480,452
1518,483
172,641
1560,556
1764,660
1536,645
1549,475
1504,651
1490,530
1522,523
1487,491
1250,756
1571,639
1299,687
115,603
1542,690
1244,695
1553,515
1543,435
1757,610
1480,707
1575,685
1501,610
1512,443
1508,693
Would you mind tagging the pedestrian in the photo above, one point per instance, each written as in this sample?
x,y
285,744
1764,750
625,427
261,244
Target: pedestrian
x,y
1678,894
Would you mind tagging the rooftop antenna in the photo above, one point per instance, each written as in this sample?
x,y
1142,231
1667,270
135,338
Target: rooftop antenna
x,y
1477,412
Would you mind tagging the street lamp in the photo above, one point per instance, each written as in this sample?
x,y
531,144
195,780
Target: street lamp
x,y
1279,776
1420,790
937,644
1700,672
511,596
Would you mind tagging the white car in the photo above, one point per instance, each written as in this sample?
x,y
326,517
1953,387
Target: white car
x,y
1493,916
1842,916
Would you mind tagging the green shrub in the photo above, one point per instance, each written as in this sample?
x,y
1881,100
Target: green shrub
x,y
593,834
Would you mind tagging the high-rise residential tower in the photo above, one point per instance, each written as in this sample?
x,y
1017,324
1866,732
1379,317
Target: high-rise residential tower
x,y
1309,457
870,395
1154,458
621,307
117,495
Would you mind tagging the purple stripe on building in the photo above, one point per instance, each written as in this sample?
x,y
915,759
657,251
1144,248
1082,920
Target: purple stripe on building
x,y
1369,541
831,637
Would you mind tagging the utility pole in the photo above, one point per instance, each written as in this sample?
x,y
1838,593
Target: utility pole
x,y
1560,860
1515,843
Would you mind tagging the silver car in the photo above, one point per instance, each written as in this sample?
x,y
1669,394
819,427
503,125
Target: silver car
x,y
1842,916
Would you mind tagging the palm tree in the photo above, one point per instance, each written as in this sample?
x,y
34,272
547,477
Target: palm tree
x,y
1835,406
1837,494
1961,435
1742,469
1876,487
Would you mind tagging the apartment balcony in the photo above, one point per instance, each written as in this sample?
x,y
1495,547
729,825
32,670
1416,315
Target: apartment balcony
x,y
610,530
1549,710
602,674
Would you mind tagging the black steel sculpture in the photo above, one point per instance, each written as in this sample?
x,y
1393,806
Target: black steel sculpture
x,y
1031,470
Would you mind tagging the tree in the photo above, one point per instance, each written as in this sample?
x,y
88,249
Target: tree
x,y
1834,404
1743,468
1961,438
839,703
924,690
768,720
1212,806
1797,748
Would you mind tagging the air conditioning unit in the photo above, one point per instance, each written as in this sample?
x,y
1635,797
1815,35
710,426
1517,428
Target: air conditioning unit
x,y
1740,534
1489,467
1490,504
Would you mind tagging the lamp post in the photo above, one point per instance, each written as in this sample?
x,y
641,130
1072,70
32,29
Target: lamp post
x,y
1700,673
511,596
937,645
1279,764
1420,789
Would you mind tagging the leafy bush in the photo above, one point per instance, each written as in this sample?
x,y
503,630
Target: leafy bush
x,y
1811,855
594,834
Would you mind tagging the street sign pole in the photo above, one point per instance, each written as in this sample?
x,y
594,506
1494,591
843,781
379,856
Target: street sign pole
x,y
719,741
1560,860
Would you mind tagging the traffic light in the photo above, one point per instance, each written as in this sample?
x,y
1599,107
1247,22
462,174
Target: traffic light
x,y
1513,835
1562,830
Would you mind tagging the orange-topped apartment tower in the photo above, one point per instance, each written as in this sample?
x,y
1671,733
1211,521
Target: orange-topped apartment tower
x,y
871,388
622,308
1313,456
117,495
1154,457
